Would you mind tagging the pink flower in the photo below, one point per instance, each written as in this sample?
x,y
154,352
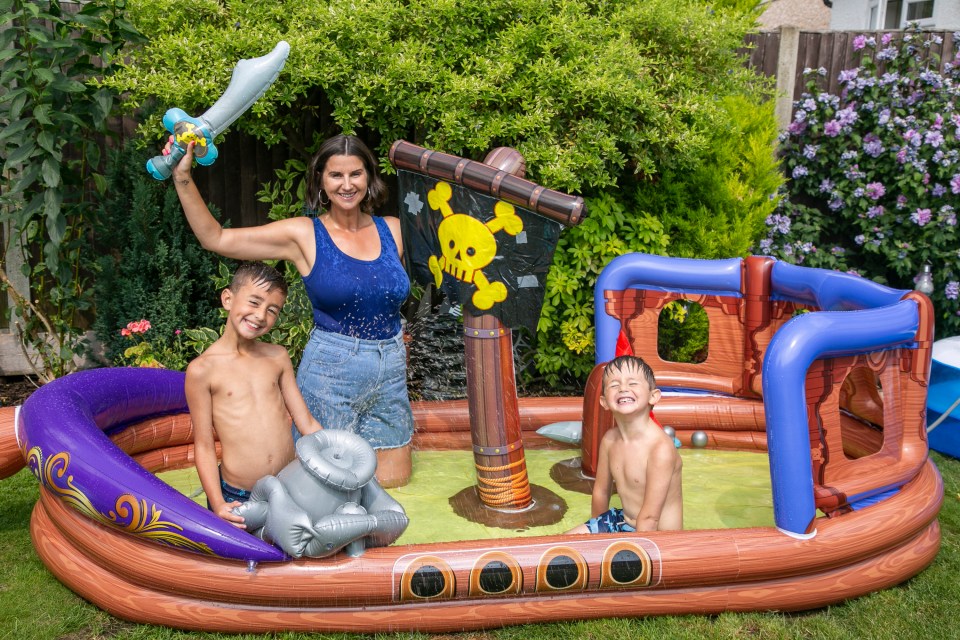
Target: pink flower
x,y
921,216
140,326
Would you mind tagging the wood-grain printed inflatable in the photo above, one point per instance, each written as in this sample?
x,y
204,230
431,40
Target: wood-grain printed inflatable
x,y
823,371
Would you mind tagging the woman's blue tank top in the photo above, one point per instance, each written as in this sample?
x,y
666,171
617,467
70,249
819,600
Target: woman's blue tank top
x,y
358,298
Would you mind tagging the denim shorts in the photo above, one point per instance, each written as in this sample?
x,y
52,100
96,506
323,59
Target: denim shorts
x,y
358,385
609,522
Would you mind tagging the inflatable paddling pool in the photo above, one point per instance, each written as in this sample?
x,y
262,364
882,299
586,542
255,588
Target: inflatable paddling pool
x,y
825,372
943,400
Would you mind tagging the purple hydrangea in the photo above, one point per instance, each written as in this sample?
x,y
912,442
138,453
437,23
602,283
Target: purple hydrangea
x,y
888,53
875,212
799,171
847,116
921,216
832,128
872,145
952,290
848,74
780,223
933,138
875,190
955,184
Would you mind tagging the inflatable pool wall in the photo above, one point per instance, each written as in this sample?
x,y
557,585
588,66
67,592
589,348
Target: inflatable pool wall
x,y
943,401
795,362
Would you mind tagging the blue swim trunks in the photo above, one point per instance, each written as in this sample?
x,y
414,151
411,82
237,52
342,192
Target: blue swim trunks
x,y
609,522
231,493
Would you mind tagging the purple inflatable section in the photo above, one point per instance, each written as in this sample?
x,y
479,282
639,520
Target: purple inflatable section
x,y
63,425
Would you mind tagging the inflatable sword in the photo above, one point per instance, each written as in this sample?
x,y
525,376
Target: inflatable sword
x,y
251,78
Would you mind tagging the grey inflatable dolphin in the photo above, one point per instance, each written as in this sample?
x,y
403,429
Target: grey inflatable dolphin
x,y
325,500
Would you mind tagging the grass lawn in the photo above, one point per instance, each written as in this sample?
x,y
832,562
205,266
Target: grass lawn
x,y
33,604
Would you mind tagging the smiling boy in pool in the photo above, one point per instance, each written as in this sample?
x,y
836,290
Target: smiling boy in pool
x,y
241,391
636,456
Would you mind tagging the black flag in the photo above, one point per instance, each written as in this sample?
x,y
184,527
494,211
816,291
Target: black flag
x,y
486,254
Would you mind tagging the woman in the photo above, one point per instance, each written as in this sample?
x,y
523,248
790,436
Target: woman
x,y
353,371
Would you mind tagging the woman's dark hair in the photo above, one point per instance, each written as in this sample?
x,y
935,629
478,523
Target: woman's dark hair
x,y
341,145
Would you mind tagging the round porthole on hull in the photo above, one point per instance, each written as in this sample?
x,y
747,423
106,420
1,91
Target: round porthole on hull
x,y
625,564
494,574
427,578
561,569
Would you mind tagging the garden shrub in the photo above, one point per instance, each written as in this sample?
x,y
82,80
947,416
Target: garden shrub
x,y
150,267
587,90
53,116
716,209
874,172
627,103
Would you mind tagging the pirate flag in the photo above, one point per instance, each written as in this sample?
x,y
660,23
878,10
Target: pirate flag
x,y
484,253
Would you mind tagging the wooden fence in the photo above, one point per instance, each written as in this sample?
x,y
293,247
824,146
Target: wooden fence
x,y
787,52
245,164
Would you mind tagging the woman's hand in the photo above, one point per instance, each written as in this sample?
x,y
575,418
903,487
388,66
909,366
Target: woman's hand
x,y
183,168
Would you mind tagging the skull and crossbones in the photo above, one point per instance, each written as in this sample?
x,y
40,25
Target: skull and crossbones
x,y
468,245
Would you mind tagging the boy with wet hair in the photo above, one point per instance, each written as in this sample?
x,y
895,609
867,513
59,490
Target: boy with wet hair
x,y
636,456
243,392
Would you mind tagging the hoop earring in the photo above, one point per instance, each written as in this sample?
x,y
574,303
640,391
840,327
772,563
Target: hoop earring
x,y
322,203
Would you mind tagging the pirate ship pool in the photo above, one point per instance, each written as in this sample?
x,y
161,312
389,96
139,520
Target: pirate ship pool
x,y
823,372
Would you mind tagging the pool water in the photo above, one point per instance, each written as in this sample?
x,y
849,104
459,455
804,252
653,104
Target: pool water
x,y
721,490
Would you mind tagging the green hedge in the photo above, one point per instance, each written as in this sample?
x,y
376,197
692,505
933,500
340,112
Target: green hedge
x,y
644,108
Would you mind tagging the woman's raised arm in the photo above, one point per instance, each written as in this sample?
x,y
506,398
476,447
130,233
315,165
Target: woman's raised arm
x,y
290,239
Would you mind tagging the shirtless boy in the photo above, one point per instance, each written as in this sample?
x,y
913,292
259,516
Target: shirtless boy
x,y
241,391
637,456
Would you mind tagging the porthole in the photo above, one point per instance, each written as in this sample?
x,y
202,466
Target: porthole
x,y
561,569
625,564
427,578
495,573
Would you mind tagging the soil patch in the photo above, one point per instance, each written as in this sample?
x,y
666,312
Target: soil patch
x,y
15,389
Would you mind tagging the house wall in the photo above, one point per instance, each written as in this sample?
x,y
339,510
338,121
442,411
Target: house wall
x,y
946,14
809,15
849,14
853,14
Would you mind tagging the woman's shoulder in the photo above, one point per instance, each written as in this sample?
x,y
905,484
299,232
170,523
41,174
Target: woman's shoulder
x,y
393,226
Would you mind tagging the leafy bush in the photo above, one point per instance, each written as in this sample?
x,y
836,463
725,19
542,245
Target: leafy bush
x,y
629,103
586,90
565,331
875,171
150,266
52,114
716,209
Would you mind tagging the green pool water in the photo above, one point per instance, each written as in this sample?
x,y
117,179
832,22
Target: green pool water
x,y
721,490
